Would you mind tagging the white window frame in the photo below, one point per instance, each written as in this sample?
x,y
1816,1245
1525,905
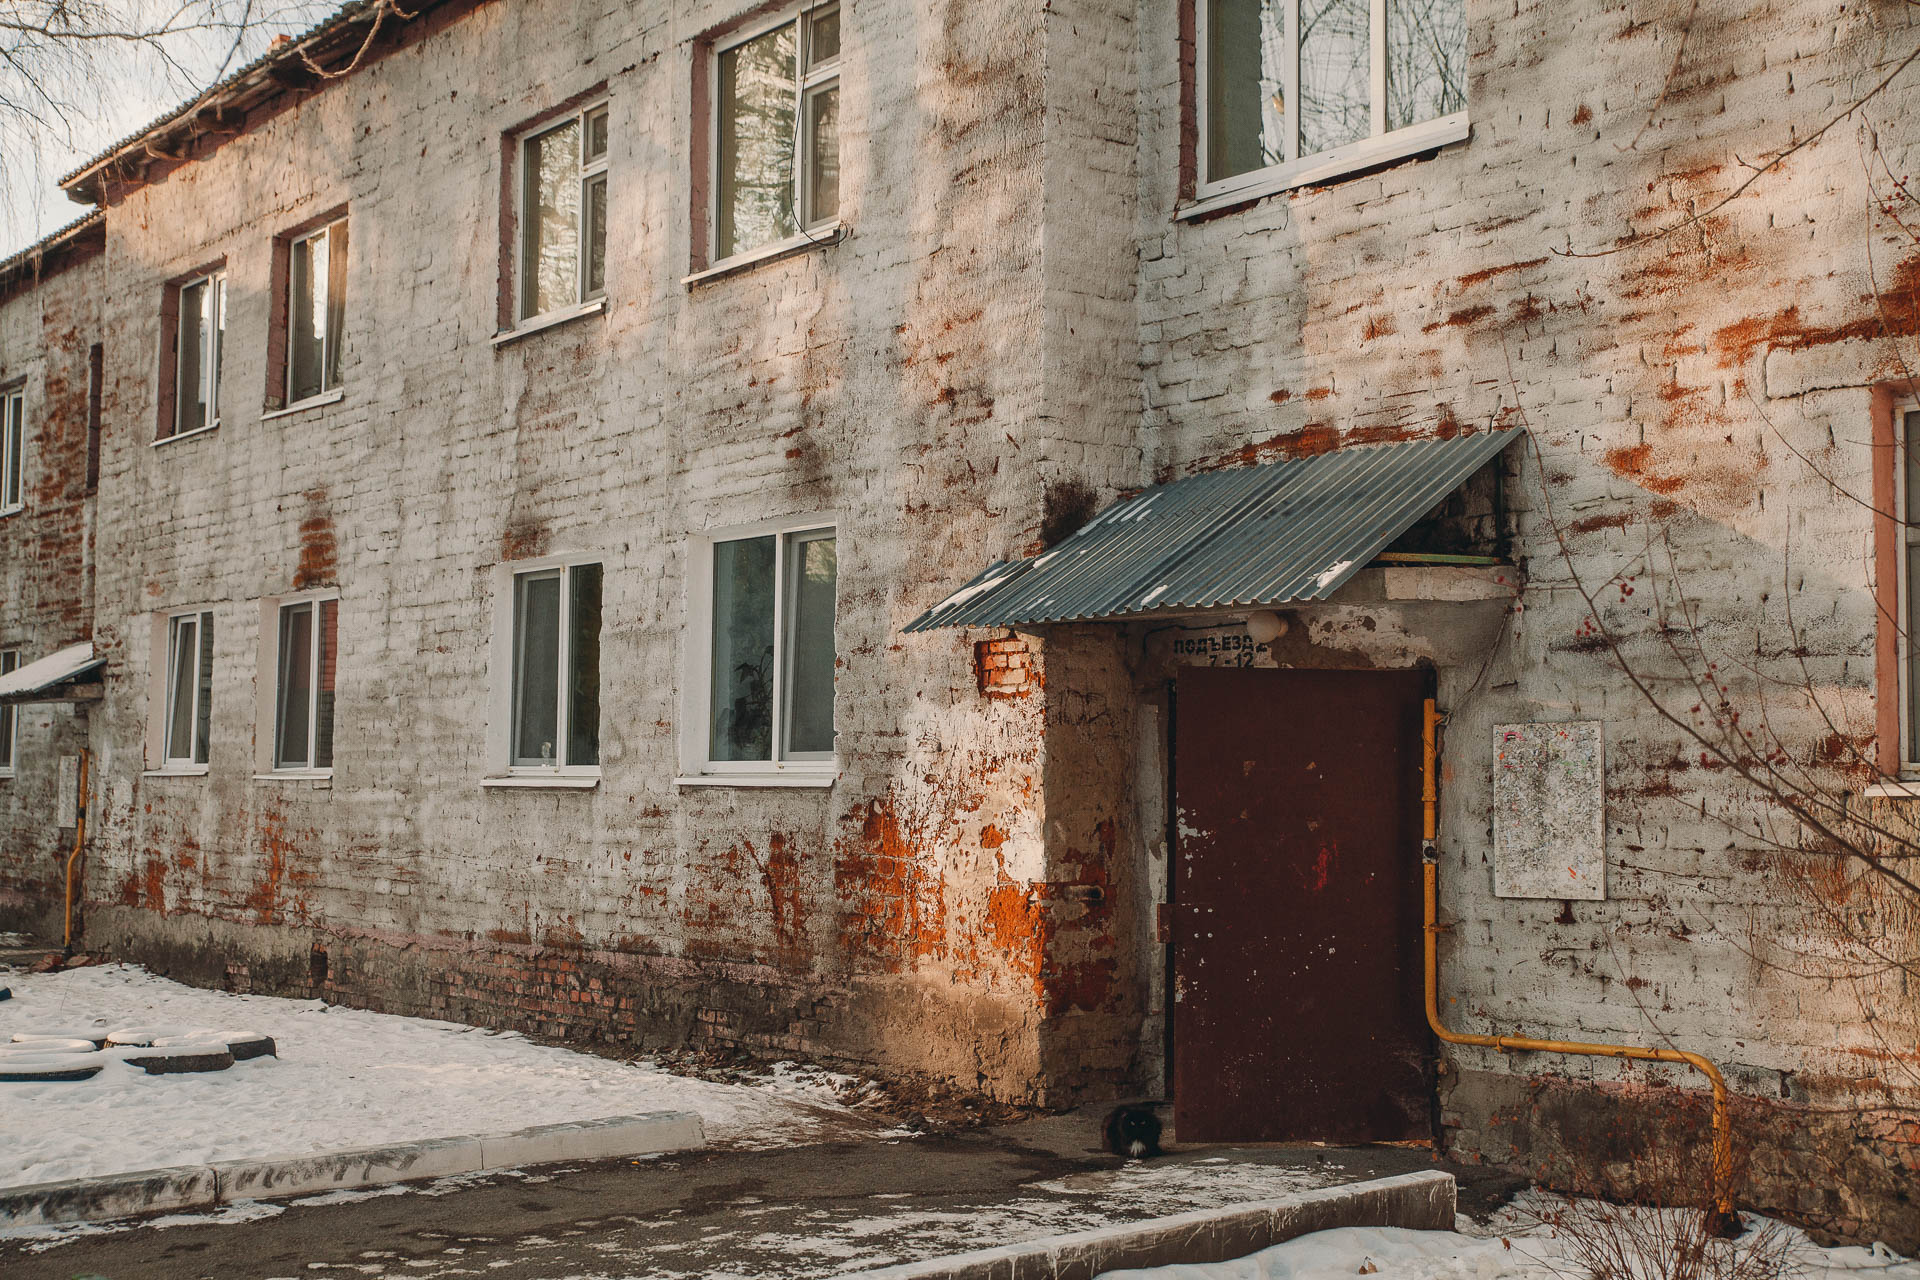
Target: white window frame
x,y
160,694
267,683
10,713
13,449
810,769
591,171
212,344
1379,147
329,389
808,82
1906,535
502,772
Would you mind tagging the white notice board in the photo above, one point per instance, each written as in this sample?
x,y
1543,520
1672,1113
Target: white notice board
x,y
1549,810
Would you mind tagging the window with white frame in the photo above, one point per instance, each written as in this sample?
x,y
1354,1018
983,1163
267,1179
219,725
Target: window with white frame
x,y
777,132
199,335
13,435
563,213
555,694
9,723
187,705
770,652
306,657
316,311
1294,87
1907,503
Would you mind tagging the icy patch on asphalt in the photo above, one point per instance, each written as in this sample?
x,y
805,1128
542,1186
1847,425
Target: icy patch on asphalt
x,y
52,1236
345,1078
829,1242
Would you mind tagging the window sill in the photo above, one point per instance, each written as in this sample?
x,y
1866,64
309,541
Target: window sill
x,y
820,778
311,402
1328,165
13,510
539,324
1891,790
558,781
295,775
193,771
188,435
830,234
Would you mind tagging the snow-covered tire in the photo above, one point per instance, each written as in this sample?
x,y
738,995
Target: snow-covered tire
x,y
95,1036
244,1045
52,1068
47,1046
138,1037
180,1059
6,993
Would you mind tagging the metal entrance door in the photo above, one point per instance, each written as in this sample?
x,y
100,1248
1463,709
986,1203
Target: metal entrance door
x,y
1296,901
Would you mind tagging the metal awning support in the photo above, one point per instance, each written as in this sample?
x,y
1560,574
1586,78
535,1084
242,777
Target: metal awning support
x,y
1276,533
65,675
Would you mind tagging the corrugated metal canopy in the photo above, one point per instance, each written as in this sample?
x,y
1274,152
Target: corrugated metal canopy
x,y
1275,533
37,681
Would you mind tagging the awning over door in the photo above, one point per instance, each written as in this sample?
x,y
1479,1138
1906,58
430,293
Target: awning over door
x,y
52,678
1275,533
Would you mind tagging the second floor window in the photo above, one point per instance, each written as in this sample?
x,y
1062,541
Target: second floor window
x,y
305,667
13,432
189,690
1283,81
563,214
316,310
198,339
777,129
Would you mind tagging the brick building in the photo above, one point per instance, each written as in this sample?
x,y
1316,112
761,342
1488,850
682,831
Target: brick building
x,y
923,534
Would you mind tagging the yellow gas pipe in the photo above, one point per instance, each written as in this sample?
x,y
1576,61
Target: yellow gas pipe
x,y
1723,1211
79,842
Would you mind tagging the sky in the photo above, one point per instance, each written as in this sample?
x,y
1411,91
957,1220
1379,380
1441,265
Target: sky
x,y
91,94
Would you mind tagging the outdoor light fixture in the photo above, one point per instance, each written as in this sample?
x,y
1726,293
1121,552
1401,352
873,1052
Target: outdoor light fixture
x,y
1265,626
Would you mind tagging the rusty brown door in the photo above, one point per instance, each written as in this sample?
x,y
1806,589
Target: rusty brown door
x,y
1296,890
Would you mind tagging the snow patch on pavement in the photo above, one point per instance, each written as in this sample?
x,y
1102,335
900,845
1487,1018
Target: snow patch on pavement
x,y
1517,1248
344,1078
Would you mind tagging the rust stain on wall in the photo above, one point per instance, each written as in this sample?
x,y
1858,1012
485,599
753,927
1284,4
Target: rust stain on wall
x,y
892,902
318,550
1891,311
786,901
273,899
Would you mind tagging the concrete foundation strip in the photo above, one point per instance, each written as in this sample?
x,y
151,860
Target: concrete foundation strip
x,y
1424,1201
202,1186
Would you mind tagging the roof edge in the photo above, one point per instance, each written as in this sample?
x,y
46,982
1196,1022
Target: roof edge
x,y
61,244
286,68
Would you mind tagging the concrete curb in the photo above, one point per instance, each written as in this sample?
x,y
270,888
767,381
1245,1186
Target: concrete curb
x,y
1424,1201
203,1186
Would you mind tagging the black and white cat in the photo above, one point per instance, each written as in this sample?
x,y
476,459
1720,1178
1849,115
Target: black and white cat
x,y
1133,1131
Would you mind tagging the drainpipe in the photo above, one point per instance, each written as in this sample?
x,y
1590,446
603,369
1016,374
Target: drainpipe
x,y
1722,1219
79,842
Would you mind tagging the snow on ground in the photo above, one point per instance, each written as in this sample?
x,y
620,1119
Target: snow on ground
x,y
1517,1248
344,1078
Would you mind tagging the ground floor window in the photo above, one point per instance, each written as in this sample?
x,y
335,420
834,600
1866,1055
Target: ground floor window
x,y
9,660
306,658
556,668
1907,480
189,690
771,652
